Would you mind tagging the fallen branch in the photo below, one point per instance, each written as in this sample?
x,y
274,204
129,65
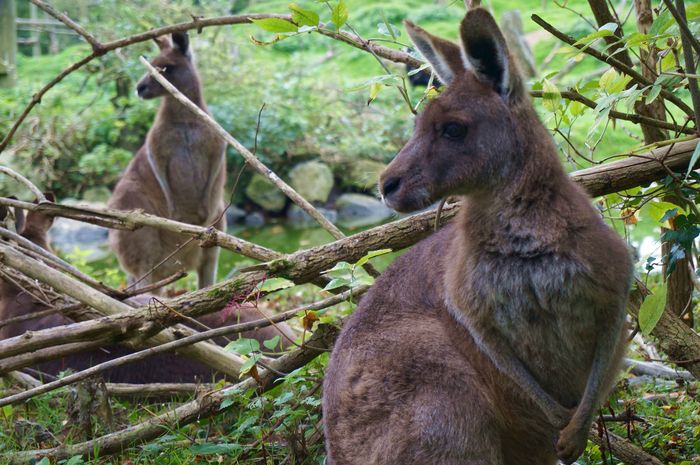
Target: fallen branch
x,y
207,353
622,448
206,405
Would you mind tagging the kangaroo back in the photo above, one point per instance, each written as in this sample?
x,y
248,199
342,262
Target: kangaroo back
x,y
495,340
179,173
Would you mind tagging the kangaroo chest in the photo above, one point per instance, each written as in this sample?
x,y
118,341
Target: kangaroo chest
x,y
187,161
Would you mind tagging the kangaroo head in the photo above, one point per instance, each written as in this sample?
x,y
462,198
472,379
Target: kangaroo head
x,y
175,63
464,140
33,225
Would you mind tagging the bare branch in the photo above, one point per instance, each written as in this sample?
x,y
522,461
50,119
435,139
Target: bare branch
x,y
22,180
612,61
97,47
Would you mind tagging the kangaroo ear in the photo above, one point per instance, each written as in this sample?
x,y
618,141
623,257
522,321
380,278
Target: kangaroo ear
x,y
444,56
50,196
182,42
485,49
162,42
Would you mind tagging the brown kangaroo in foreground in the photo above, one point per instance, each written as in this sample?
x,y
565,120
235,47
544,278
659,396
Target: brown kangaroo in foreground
x,y
160,368
179,173
495,340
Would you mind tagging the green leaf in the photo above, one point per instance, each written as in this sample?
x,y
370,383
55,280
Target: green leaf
x,y
303,17
657,210
214,449
339,14
693,159
653,93
250,363
225,404
387,29
75,460
243,346
373,92
7,411
275,25
371,255
274,284
44,461
272,343
336,283
551,97
577,108
651,310
608,79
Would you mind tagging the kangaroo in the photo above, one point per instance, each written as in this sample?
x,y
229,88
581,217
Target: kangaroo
x,y
160,368
179,173
494,340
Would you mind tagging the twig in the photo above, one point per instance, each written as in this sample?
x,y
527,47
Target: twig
x,y
612,61
208,354
97,47
639,119
131,220
690,40
196,23
204,406
252,160
21,179
622,448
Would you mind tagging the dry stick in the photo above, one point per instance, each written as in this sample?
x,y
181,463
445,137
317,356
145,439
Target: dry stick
x,y
251,159
50,311
52,353
639,119
622,448
120,327
205,406
97,47
22,180
131,220
206,353
614,62
196,23
56,262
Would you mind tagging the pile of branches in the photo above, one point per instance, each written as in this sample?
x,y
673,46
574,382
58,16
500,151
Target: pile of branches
x,y
102,318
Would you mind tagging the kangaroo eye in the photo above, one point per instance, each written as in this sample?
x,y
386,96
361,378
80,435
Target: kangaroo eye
x,y
454,131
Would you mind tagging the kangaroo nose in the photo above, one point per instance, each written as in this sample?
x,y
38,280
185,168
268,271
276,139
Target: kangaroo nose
x,y
140,89
391,185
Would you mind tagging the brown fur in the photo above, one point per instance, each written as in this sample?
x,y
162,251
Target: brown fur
x,y
495,340
159,368
179,173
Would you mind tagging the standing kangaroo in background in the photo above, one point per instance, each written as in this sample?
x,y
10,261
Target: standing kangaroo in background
x,y
495,340
179,173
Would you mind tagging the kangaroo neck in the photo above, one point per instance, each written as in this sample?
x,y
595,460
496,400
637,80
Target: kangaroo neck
x,y
172,111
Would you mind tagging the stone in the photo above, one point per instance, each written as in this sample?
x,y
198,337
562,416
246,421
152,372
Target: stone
x,y
68,235
313,180
360,210
255,220
363,174
265,194
298,218
97,194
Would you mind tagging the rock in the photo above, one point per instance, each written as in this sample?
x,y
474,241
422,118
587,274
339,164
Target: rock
x,y
363,174
264,193
67,235
313,180
359,210
97,194
234,215
298,218
255,220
